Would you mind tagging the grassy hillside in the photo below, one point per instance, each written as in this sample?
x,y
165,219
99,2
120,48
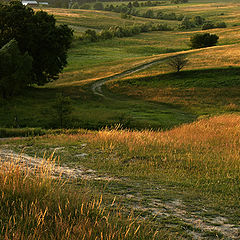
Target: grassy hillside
x,y
186,175
150,103
167,164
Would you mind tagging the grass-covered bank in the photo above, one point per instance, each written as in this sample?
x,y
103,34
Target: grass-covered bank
x,y
190,173
37,108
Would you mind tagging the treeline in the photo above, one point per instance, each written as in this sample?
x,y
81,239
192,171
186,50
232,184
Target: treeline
x,y
117,8
199,22
179,1
80,3
130,9
119,32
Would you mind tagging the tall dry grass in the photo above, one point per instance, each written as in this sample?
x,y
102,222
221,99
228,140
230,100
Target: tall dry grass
x,y
35,206
202,154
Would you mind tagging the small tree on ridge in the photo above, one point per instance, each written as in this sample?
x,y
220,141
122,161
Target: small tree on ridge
x,y
178,62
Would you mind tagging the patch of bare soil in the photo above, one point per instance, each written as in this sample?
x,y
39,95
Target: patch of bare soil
x,y
55,170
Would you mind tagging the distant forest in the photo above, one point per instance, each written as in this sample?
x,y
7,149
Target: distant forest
x,y
67,3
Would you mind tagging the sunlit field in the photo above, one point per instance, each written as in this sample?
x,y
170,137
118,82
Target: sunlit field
x,y
195,165
155,155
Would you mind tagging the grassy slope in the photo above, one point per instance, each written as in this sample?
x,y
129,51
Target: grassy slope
x,y
195,165
91,61
192,169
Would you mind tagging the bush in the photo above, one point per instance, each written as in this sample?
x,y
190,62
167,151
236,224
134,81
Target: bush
x,y
90,35
186,24
221,25
135,4
125,15
118,31
85,6
149,14
208,25
198,20
98,6
105,34
75,6
178,1
203,40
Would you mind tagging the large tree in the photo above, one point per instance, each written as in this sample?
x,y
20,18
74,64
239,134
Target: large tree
x,y
37,34
15,69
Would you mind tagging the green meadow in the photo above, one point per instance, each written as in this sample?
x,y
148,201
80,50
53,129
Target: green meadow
x,y
155,155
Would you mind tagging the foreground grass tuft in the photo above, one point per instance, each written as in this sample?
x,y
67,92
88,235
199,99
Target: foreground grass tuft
x,y
33,205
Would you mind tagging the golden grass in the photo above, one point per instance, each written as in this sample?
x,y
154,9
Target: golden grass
x,y
204,152
211,57
34,206
224,127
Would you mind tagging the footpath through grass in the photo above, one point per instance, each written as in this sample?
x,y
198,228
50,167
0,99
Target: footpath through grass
x,y
184,176
201,92
35,206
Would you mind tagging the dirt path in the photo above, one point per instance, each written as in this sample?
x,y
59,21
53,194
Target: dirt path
x,y
217,225
97,85
155,207
63,171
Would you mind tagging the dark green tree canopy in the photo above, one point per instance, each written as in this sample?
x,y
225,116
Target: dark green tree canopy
x,y
15,69
37,34
202,40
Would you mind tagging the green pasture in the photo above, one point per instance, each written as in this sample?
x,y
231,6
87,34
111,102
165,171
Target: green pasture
x,y
169,141
90,61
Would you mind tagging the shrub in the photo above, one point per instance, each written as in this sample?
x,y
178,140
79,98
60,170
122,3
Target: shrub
x,y
105,34
149,14
75,6
221,25
98,6
198,20
85,6
90,35
208,25
203,40
125,15
178,1
135,4
186,24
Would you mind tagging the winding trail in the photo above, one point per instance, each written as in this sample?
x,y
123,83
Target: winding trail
x,y
156,207
97,85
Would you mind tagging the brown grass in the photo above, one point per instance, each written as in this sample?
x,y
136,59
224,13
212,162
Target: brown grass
x,y
34,206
